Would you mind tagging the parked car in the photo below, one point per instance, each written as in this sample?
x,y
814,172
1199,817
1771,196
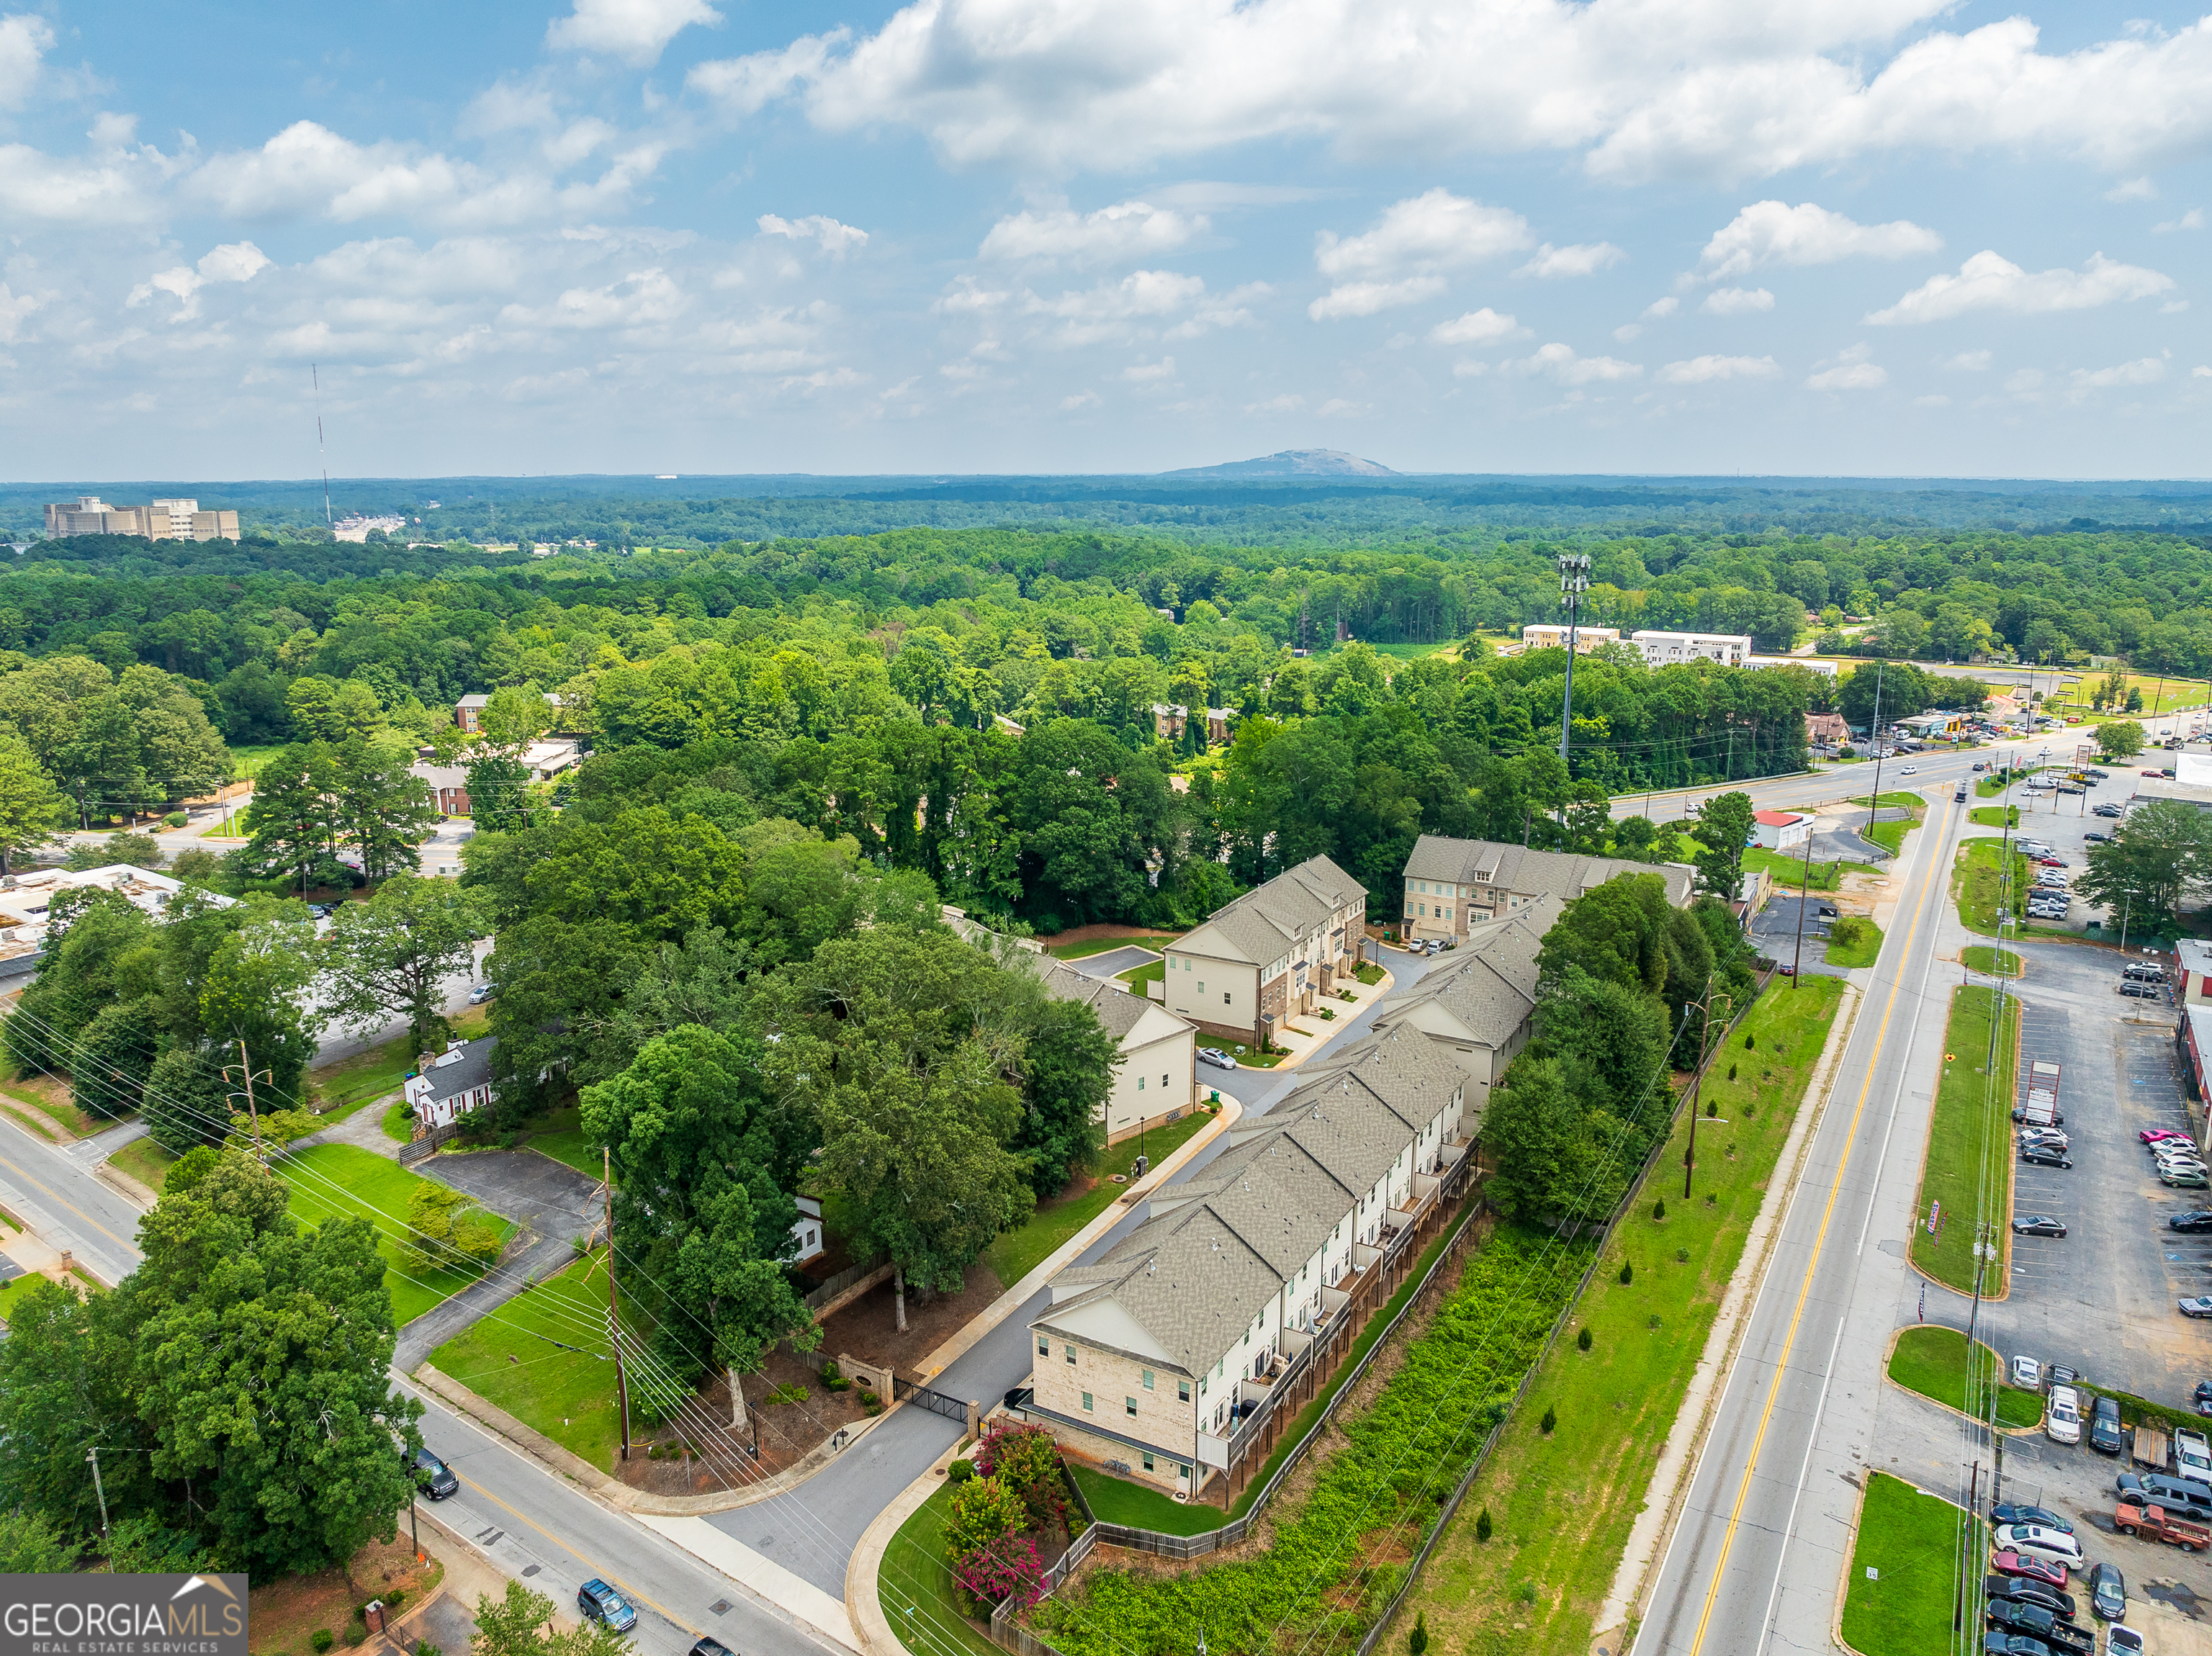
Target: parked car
x,y
2019,1644
2028,1592
2192,1457
2188,1497
2154,1521
2038,1224
435,1477
2028,1566
482,992
2062,1421
2058,1116
1217,1057
2134,990
2104,1435
2197,1220
2160,1135
2007,1512
2204,1396
2121,1640
2108,1593
2043,1138
601,1603
2153,773
2095,838
2045,1155
2107,810
2186,1177
2037,1542
2101,776
2027,1374
2144,971
2012,1616
711,1647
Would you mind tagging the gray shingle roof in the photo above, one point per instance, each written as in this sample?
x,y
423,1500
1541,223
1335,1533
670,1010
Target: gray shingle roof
x,y
1564,874
470,1070
1489,982
1117,1008
1268,918
1187,1279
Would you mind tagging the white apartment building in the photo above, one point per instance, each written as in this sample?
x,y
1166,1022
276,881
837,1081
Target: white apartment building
x,y
1270,955
1451,884
163,520
1185,1352
1155,1077
1665,649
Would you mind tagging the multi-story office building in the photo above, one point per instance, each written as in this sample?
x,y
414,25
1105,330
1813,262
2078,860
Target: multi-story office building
x,y
162,520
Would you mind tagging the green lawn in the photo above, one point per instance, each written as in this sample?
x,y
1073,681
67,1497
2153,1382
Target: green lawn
x,y
1076,951
1976,884
1890,836
914,1587
1932,1361
1901,801
399,1122
1853,940
1903,1585
1562,1503
1996,962
248,760
1790,870
372,1188
146,1161
1118,1501
1368,973
1019,1251
561,1136
569,1395
51,1099
1996,816
1138,976
21,1285
1969,1142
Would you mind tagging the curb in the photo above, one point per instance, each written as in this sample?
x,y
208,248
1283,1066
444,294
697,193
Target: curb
x,y
1731,1324
1389,982
863,1576
1889,1351
1012,1299
124,1184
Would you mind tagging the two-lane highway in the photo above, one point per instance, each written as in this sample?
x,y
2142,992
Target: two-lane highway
x,y
1757,1552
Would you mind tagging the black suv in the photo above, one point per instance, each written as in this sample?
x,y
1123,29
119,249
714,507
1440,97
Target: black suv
x,y
2195,1219
435,1477
2105,1427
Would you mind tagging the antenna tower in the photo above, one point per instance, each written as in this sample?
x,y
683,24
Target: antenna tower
x,y
315,374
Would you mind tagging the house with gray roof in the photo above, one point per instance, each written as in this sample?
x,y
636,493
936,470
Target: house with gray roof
x,y
1156,1080
1259,961
447,1085
1182,1353
1451,884
1479,1006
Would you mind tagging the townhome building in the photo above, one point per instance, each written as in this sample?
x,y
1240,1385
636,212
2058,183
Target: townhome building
x,y
1155,1077
1269,956
1478,1007
1451,884
1181,1356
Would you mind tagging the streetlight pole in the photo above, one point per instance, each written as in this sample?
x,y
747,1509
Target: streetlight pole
x,y
1574,581
1873,805
1804,896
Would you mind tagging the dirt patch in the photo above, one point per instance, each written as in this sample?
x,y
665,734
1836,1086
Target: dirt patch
x,y
718,1455
868,1328
285,1615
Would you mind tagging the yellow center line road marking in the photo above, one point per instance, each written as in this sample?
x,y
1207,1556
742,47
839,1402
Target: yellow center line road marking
x,y
590,1570
1930,849
24,1173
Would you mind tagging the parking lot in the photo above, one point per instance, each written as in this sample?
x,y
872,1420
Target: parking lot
x,y
1774,931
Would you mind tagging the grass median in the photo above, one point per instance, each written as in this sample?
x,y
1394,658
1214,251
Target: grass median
x,y
1968,1166
914,1587
1562,1503
1996,816
1932,1361
1903,1585
1992,962
1854,940
1976,882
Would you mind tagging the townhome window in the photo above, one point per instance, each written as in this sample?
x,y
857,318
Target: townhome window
x,y
1129,1405
1086,1403
1140,1083
1164,1080
1071,1354
1148,1460
1044,1347
1147,1379
1201,989
1225,998
1183,1391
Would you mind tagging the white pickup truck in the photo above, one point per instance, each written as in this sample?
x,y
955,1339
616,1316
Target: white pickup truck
x,y
2192,1456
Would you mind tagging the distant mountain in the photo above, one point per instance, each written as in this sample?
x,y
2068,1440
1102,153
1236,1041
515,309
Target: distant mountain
x,y
1293,462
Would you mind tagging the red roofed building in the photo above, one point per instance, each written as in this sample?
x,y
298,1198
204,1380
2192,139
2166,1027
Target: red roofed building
x,y
1779,830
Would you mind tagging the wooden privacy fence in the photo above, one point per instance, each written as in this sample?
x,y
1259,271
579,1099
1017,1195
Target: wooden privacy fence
x,y
1009,1635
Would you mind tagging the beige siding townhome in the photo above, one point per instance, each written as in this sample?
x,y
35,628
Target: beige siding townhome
x,y
1478,1007
1451,884
1270,955
1155,1079
1181,1356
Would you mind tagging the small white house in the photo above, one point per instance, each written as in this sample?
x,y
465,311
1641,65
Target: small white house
x,y
1780,830
807,1230
444,1087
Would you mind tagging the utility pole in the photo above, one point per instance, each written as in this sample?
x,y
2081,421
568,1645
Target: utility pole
x,y
246,1078
614,1313
1874,806
1804,896
93,1455
1574,581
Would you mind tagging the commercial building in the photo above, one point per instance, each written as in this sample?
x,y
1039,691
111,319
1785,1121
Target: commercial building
x,y
358,528
1268,1262
26,903
1271,955
162,520
1451,884
1826,730
1662,649
449,784
1779,830
1549,635
1810,663
2172,788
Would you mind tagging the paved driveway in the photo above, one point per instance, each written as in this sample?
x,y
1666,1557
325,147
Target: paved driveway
x,y
1114,962
552,1204
1774,932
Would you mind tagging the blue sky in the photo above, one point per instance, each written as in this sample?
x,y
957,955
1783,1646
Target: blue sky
x,y
1837,236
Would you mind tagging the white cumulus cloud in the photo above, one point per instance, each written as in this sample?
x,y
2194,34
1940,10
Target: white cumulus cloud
x,y
1850,376
235,261
1704,370
1128,230
2191,220
1990,282
2145,371
1583,258
1969,361
640,299
635,31
1482,327
1400,259
1561,362
24,39
1737,301
836,240
1366,298
1774,232
1146,373
14,307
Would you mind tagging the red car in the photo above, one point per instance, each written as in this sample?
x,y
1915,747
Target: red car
x,y
2153,772
2029,1569
2160,1135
